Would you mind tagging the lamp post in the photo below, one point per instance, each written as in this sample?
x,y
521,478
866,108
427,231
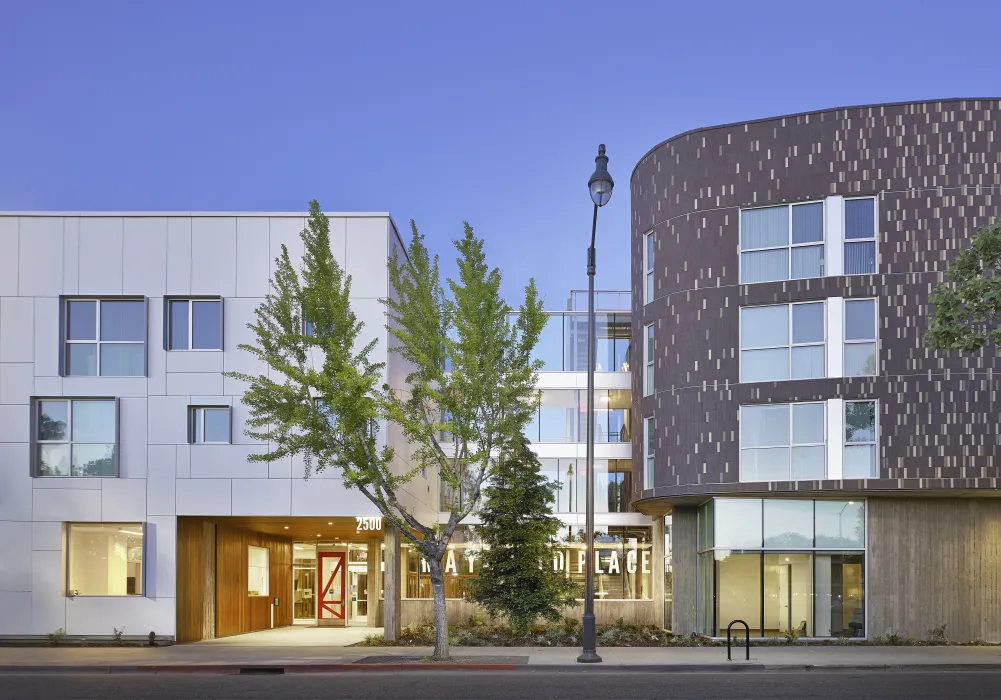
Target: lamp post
x,y
600,186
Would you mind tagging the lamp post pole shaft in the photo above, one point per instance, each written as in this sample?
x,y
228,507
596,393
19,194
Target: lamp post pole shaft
x,y
589,653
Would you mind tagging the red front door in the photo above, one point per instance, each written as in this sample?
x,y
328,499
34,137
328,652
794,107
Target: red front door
x,y
332,581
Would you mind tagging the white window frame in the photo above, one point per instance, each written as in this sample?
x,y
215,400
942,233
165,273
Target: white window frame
x,y
845,241
649,434
168,315
875,435
789,446
36,462
789,346
648,262
97,336
874,342
788,246
649,348
196,420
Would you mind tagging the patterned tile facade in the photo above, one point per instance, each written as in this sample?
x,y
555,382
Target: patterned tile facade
x,y
935,168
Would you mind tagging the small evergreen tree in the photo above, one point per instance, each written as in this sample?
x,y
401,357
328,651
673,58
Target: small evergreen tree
x,y
518,527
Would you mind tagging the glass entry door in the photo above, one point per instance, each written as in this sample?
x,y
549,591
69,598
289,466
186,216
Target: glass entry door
x,y
332,580
359,597
304,583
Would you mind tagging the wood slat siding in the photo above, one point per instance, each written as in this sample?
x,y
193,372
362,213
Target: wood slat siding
x,y
190,580
237,612
932,562
684,563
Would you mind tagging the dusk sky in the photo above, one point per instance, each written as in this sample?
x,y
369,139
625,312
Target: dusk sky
x,y
433,111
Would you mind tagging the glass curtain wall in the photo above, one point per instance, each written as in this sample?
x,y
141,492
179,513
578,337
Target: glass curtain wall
x,y
563,342
562,416
612,484
782,566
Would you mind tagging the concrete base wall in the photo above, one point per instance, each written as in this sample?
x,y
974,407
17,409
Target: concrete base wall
x,y
684,565
635,612
934,562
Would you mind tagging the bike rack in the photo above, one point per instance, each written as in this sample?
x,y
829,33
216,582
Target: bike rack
x,y
747,640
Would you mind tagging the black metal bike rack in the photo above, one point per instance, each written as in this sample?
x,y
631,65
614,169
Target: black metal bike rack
x,y
747,640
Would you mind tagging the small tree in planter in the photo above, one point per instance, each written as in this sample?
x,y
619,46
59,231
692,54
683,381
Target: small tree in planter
x,y
518,527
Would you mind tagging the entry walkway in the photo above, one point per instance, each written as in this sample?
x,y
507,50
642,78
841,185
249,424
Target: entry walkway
x,y
222,657
296,636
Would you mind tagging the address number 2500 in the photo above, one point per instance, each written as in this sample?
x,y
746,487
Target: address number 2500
x,y
368,524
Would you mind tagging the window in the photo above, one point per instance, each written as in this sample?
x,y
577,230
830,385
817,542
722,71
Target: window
x,y
209,424
75,437
194,324
257,570
783,442
648,249
105,559
860,236
860,440
649,441
105,337
562,416
860,337
781,243
782,566
648,349
783,341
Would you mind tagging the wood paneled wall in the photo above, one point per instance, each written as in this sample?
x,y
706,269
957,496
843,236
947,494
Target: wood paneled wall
x,y
933,562
190,580
235,612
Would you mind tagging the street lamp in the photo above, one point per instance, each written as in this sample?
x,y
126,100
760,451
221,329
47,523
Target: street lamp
x,y
600,186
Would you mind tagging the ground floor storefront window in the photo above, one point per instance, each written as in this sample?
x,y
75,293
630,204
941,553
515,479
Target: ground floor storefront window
x,y
784,567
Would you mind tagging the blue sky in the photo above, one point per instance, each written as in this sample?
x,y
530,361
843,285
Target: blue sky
x,y
437,111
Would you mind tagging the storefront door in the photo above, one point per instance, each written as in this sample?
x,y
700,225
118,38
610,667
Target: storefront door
x,y
332,575
359,598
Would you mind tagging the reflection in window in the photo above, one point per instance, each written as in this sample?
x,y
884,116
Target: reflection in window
x,y
648,354
782,341
781,243
783,442
105,337
612,484
194,324
105,559
649,441
860,440
860,236
860,337
209,424
75,437
648,253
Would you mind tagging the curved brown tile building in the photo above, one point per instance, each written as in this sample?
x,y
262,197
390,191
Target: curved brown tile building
x,y
838,224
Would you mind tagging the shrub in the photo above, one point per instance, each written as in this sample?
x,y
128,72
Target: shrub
x,y
116,635
56,637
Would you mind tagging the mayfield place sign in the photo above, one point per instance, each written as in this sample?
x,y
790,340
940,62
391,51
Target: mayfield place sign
x,y
606,561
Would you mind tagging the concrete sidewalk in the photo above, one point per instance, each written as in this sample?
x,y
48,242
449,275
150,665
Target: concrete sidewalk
x,y
232,658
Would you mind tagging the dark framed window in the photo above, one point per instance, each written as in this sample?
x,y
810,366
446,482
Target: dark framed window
x,y
210,425
193,323
103,337
104,559
74,437
860,236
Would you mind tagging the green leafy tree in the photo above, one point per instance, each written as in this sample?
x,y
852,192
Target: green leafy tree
x,y
967,306
324,397
471,389
518,527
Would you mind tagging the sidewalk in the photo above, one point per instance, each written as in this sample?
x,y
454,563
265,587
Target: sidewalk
x,y
218,657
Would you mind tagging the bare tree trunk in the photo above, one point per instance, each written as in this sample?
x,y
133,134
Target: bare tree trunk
x,y
440,617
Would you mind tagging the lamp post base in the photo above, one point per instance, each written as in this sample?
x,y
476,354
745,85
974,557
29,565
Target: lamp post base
x,y
589,655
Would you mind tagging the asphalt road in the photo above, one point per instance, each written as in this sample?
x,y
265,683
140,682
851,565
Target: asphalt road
x,y
884,685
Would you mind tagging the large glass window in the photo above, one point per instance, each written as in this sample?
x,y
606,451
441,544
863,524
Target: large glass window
x,y
549,349
860,440
782,341
648,252
105,559
194,324
783,442
860,337
105,337
258,570
75,437
860,236
782,566
781,243
562,416
613,334
209,424
612,484
558,416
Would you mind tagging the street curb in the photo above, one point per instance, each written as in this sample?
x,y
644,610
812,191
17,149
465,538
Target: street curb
x,y
299,669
